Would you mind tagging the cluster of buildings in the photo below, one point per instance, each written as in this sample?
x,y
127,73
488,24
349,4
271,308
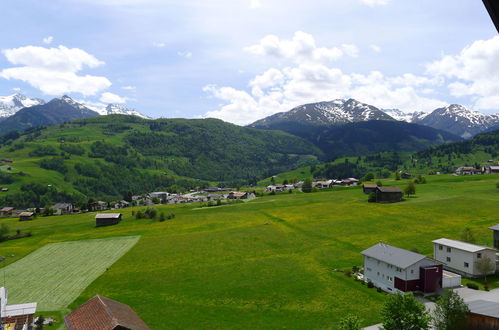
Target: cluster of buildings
x,y
316,184
469,170
397,270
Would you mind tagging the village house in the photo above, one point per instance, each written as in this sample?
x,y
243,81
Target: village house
x,y
276,187
6,211
397,270
99,206
101,313
350,182
24,216
161,195
107,219
468,170
388,194
461,257
489,169
4,189
16,316
63,208
369,188
323,184
6,160
240,195
121,204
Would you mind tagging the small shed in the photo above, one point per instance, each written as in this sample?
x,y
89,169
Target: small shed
x,y
103,313
369,188
450,280
388,194
107,219
23,216
483,314
4,189
6,211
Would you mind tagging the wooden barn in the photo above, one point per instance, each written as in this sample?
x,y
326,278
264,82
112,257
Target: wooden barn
x,y
101,313
24,216
483,315
107,219
6,211
369,188
388,194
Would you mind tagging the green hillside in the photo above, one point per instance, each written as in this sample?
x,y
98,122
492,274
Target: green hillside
x,y
105,157
274,262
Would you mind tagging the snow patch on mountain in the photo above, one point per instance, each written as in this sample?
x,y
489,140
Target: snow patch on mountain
x,y
11,104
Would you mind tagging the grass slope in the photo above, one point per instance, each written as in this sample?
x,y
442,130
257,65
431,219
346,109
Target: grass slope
x,y
57,273
270,262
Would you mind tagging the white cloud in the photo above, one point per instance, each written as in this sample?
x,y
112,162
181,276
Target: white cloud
x,y
54,70
129,88
472,72
108,97
375,48
159,44
301,48
48,40
255,4
373,3
16,89
185,54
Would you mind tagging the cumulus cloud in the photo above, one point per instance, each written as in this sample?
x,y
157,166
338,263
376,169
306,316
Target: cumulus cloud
x,y
472,72
301,48
373,3
375,48
54,70
108,97
16,89
129,88
48,40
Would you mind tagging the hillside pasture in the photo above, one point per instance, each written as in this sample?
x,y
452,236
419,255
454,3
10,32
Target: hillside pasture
x,y
57,273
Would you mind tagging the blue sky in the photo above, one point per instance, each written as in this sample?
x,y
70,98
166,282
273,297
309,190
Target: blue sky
x,y
241,60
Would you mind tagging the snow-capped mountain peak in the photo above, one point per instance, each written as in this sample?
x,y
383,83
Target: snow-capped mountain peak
x,y
408,117
119,109
10,104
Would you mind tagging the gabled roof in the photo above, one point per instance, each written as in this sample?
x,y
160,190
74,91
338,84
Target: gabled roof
x,y
461,245
393,255
370,185
26,214
7,209
389,189
101,313
107,215
483,307
496,227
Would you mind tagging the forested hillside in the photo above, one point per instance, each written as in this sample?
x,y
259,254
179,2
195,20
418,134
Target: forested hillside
x,y
110,156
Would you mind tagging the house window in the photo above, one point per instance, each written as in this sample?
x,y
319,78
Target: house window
x,y
448,259
466,265
368,269
412,271
478,255
378,273
448,249
440,247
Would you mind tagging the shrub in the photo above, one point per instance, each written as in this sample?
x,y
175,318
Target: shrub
x,y
355,269
370,285
472,286
347,273
372,197
379,289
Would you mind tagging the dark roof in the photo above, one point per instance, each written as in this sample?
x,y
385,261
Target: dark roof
x,y
101,313
389,189
493,9
393,255
483,307
496,227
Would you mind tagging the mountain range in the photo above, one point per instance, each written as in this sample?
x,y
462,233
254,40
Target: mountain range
x,y
454,118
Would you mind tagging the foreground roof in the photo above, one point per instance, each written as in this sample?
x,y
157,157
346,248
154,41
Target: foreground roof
x,y
107,215
390,189
483,307
101,313
461,245
393,255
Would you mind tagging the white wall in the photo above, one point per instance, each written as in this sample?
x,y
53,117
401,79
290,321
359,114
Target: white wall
x,y
459,257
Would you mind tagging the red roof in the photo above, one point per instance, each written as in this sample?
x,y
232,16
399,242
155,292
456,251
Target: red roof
x,y
101,313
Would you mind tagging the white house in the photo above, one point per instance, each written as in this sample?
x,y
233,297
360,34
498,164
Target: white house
x,y
16,315
397,270
461,257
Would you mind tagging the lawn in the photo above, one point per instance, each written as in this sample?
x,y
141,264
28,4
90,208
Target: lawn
x,y
57,273
270,262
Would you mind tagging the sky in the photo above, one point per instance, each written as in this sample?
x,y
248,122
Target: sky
x,y
242,60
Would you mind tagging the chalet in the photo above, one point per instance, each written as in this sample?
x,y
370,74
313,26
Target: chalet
x,y
101,313
63,208
369,188
6,211
405,175
6,160
483,315
161,195
461,257
24,216
388,194
4,189
323,184
121,204
468,170
107,219
276,187
99,206
495,236
16,316
397,270
488,169
349,182
240,195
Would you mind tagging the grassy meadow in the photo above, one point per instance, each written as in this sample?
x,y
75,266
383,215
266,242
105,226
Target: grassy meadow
x,y
271,262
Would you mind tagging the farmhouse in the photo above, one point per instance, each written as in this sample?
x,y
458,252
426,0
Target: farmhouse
x,y
63,208
495,236
101,313
397,270
349,182
161,195
6,211
4,189
240,195
369,188
99,206
468,170
16,316
488,169
6,160
388,194
461,257
483,314
323,184
23,216
107,219
121,204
